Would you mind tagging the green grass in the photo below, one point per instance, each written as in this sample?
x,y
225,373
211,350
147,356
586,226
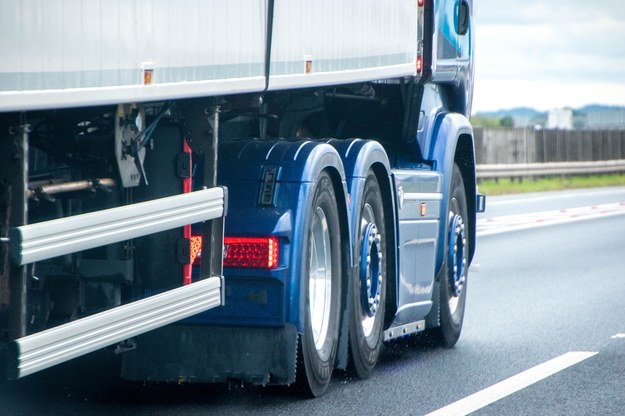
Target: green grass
x,y
507,186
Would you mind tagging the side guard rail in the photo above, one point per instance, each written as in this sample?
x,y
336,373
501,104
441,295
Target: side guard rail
x,y
39,241
56,345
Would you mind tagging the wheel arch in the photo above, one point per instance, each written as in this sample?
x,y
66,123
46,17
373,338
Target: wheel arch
x,y
359,156
307,167
342,196
391,221
298,165
453,143
464,157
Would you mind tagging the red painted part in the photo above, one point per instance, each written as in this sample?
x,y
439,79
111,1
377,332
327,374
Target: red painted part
x,y
186,188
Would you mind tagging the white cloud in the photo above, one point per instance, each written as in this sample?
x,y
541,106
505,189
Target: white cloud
x,y
548,11
563,52
492,95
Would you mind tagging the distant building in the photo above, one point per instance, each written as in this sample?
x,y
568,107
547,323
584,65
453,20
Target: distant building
x,y
560,118
600,117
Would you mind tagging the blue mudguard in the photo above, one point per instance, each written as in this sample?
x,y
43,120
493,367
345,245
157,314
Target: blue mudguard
x,y
359,156
272,297
254,336
452,140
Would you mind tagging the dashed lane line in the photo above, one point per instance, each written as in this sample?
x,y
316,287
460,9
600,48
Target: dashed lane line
x,y
512,385
498,225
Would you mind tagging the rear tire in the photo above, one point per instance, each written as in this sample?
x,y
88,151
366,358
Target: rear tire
x,y
368,285
453,284
321,285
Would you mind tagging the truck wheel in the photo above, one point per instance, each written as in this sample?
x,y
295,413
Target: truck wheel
x,y
453,285
368,287
322,289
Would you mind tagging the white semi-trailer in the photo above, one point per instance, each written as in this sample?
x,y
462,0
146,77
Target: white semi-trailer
x,y
233,189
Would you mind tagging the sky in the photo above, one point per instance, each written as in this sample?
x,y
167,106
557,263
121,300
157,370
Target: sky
x,y
549,54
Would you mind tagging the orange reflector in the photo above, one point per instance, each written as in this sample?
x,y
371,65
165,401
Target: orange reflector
x,y
308,64
423,209
258,252
147,76
196,249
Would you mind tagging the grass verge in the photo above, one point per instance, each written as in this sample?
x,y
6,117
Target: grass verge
x,y
525,185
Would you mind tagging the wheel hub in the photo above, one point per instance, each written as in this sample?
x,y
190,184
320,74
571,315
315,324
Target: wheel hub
x,y
371,269
456,260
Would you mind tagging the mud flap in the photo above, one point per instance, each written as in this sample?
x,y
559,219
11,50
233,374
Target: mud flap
x,y
193,353
433,318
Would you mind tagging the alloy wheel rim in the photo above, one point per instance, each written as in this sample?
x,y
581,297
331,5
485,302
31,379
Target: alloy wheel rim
x,y
320,281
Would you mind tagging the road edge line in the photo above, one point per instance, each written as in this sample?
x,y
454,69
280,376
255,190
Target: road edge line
x,y
532,225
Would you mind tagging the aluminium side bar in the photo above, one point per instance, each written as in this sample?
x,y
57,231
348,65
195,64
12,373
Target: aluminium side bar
x,y
54,346
39,241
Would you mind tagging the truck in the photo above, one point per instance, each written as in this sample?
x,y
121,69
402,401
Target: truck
x,y
252,190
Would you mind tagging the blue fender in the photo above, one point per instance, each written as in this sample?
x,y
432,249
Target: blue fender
x,y
358,157
447,132
298,166
299,161
267,304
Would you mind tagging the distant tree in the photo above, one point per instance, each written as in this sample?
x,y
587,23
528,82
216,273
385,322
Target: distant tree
x,y
485,121
506,122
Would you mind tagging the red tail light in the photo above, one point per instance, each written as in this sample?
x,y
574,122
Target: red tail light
x,y
258,252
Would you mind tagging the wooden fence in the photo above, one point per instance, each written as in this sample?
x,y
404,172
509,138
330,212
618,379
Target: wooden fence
x,y
527,145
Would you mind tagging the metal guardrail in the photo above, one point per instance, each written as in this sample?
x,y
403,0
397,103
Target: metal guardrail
x,y
549,168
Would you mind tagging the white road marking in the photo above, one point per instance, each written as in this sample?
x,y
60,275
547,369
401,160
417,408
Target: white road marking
x,y
498,225
547,196
512,385
618,336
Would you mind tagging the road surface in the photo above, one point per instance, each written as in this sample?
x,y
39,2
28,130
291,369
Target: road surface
x,y
544,334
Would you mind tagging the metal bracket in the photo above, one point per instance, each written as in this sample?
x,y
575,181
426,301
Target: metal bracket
x,y
130,122
404,330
